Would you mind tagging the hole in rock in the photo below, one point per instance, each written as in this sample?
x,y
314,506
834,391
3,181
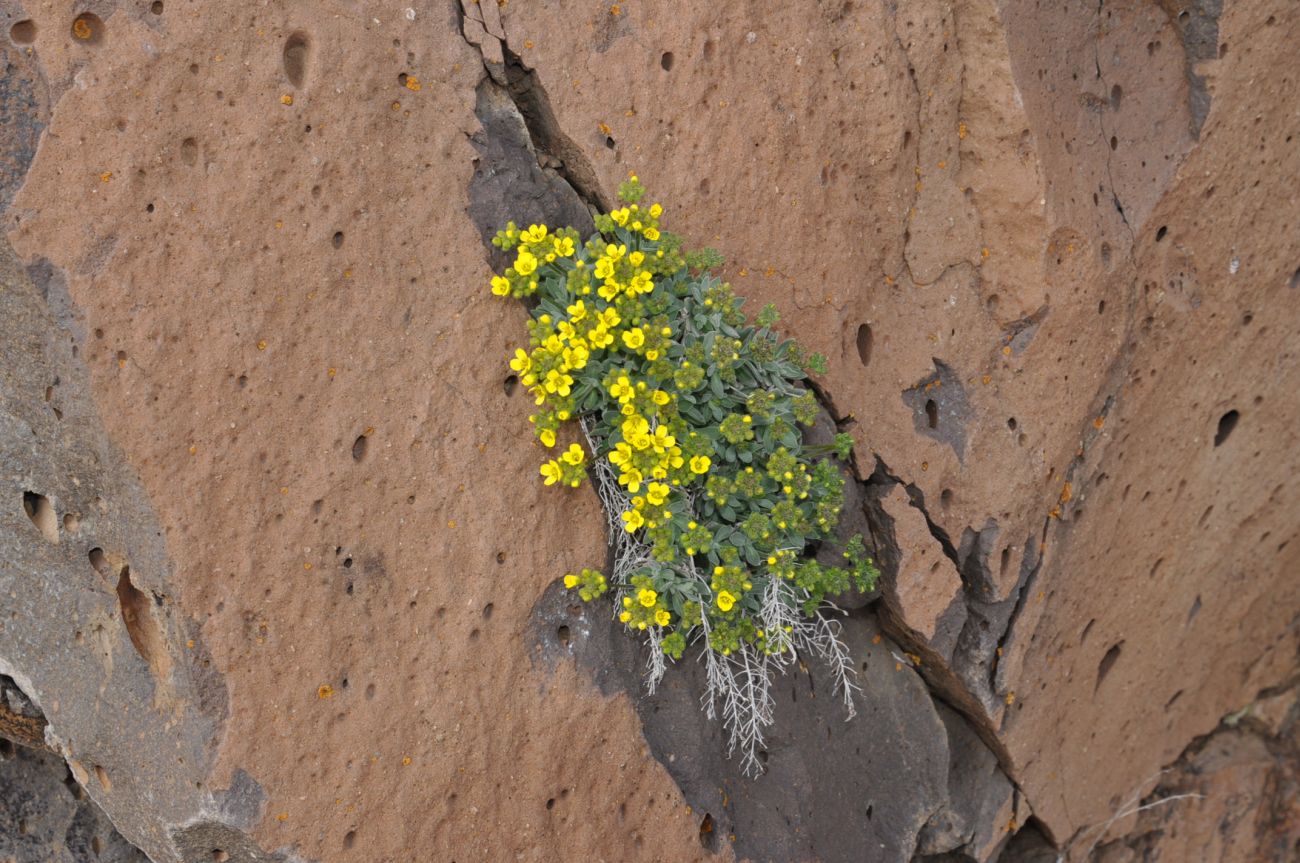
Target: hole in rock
x,y
1006,560
296,51
102,775
945,498
359,448
931,413
99,562
487,611
1107,663
190,151
550,804
562,633
88,28
337,240
137,614
1194,610
1295,279
23,32
41,512
1227,423
501,557
219,855
156,7
666,61
864,343
509,384
1161,232
1083,636
71,523
708,836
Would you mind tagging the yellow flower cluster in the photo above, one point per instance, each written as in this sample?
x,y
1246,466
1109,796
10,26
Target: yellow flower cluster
x,y
646,610
568,469
603,282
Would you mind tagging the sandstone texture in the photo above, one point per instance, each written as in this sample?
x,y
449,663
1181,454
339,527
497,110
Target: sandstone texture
x,y
280,581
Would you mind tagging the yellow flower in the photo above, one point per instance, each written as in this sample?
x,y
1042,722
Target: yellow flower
x,y
634,338
570,581
547,437
577,311
622,454
609,318
651,234
500,286
615,253
534,234
655,493
521,363
558,383
620,216
659,397
647,597
725,600
624,616
551,470
631,479
563,246
600,338
525,264
700,464
662,617
656,211
574,455
633,520
604,268
636,259
652,355
622,389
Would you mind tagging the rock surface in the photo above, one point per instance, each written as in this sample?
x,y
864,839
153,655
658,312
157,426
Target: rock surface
x,y
280,575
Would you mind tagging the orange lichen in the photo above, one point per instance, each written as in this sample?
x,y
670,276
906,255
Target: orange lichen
x,y
261,344
324,691
286,99
106,176
1011,698
412,83
1099,422
604,129
1066,493
962,131
81,29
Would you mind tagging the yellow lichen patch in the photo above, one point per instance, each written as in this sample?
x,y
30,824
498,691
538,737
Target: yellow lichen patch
x,y
604,129
261,344
528,44
283,816
406,760
307,567
324,691
1066,493
616,10
962,130
81,29
412,83
331,372
987,379
106,176
984,253
1011,698
193,449
286,99
1099,422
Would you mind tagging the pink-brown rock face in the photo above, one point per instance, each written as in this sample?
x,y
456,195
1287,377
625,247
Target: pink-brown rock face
x,y
1052,253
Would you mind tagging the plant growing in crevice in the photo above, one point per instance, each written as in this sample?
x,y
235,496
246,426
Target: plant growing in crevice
x,y
691,416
